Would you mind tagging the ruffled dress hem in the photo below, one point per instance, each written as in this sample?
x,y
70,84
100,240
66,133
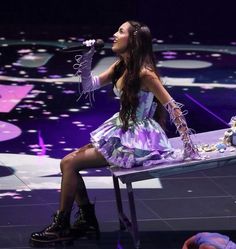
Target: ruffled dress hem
x,y
143,144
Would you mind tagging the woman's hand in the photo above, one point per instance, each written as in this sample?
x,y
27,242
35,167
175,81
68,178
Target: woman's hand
x,y
191,152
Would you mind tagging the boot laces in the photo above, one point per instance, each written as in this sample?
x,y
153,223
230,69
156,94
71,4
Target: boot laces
x,y
80,216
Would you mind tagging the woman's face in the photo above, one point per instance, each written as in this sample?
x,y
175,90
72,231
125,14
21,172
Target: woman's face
x,y
121,38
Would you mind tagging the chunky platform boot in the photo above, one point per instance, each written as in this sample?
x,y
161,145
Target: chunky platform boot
x,y
86,224
57,232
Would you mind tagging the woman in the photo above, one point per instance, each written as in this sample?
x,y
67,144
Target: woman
x,y
130,138
209,241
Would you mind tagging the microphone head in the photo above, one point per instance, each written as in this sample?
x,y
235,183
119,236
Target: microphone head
x,y
99,44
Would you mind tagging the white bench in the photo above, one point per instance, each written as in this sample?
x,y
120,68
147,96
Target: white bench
x,y
127,176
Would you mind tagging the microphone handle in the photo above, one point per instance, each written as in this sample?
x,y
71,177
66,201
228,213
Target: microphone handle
x,y
98,45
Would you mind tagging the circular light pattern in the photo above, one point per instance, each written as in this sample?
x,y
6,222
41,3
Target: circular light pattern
x,y
80,125
215,55
83,172
47,113
41,50
53,118
169,53
169,57
36,150
184,64
67,149
85,107
32,131
24,51
69,89
73,110
8,131
196,42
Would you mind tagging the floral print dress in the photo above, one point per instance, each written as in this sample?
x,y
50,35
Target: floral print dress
x,y
143,144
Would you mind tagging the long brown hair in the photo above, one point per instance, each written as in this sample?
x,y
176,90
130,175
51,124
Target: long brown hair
x,y
140,55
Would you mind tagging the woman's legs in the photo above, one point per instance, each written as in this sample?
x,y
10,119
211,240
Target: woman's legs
x,y
72,185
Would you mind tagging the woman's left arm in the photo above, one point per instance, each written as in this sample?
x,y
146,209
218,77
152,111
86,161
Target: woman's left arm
x,y
151,81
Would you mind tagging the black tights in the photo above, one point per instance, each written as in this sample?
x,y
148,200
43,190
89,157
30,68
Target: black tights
x,y
72,184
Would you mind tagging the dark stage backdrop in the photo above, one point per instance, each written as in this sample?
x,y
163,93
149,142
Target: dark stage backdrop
x,y
208,19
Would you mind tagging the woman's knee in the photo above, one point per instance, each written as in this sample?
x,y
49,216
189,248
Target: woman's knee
x,y
67,163
63,164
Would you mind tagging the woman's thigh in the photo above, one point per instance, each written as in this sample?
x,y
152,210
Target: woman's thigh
x,y
84,158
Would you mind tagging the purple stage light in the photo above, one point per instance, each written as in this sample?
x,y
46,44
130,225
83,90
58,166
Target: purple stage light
x,y
12,95
206,109
41,145
55,76
169,53
169,57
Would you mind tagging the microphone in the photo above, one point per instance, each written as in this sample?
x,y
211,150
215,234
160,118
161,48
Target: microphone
x,y
85,46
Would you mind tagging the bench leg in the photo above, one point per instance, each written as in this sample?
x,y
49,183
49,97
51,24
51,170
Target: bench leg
x,y
132,226
118,202
134,223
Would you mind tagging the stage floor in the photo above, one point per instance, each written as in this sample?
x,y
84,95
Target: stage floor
x,y
41,121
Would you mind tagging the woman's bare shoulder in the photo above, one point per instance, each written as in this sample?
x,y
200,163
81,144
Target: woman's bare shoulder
x,y
147,71
148,74
148,77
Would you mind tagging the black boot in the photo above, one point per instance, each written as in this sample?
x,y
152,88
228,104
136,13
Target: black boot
x,y
86,224
57,232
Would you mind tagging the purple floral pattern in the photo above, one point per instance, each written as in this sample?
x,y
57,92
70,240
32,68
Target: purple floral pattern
x,y
143,144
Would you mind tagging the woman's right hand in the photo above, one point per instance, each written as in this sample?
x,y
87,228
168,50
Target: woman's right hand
x,y
190,151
